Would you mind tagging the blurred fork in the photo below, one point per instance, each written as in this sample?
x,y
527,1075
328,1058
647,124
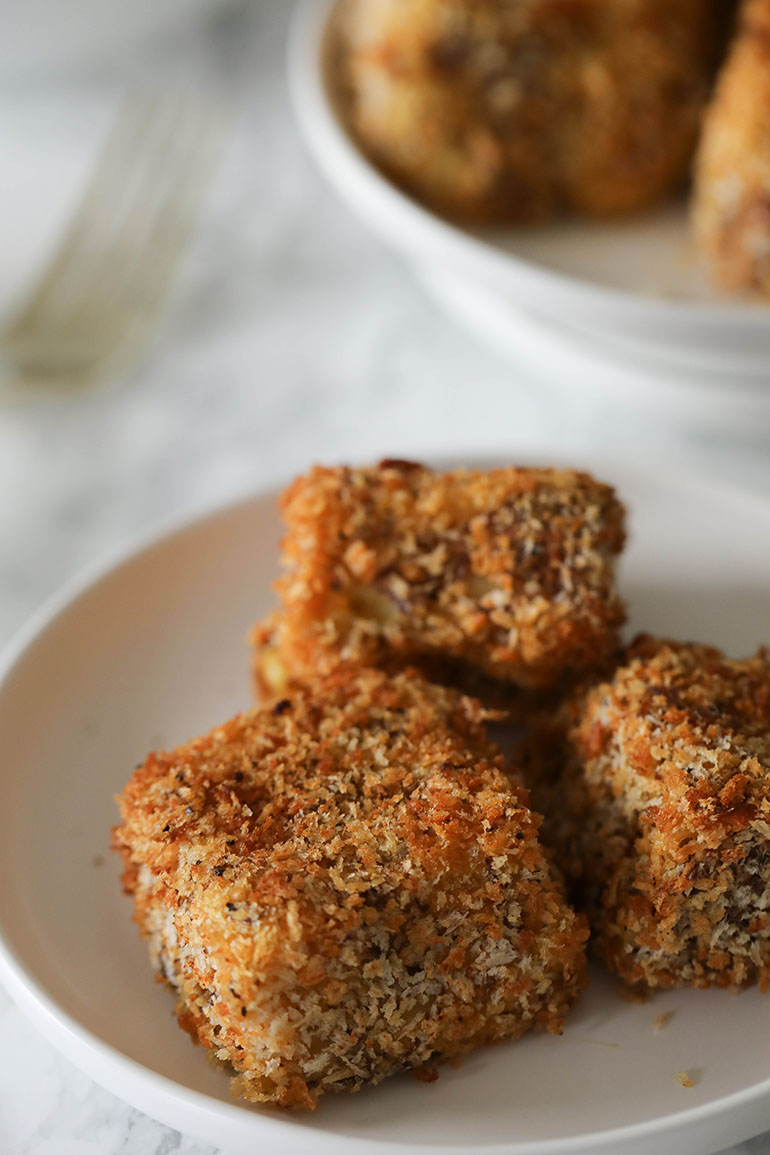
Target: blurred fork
x,y
97,302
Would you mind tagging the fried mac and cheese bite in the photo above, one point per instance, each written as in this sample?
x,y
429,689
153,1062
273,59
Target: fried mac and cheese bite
x,y
509,573
490,110
731,204
344,885
662,815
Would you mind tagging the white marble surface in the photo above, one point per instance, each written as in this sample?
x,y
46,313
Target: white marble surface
x,y
293,337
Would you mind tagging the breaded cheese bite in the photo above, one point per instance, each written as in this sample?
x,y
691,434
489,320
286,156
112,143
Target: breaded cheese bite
x,y
504,702
510,573
662,815
731,204
346,885
515,110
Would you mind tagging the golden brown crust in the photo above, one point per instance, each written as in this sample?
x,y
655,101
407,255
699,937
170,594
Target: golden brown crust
x,y
514,111
505,703
731,207
344,885
507,574
665,815
272,678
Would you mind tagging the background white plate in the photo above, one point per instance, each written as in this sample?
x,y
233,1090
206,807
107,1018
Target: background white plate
x,y
591,366
152,652
638,280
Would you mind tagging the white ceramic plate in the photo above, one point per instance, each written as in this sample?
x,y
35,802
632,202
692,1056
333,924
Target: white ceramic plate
x,y
639,280
568,359
152,652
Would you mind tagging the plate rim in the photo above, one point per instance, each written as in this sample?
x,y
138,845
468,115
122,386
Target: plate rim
x,y
138,1085
548,352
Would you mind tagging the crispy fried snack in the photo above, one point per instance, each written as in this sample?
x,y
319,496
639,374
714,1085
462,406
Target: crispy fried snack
x,y
504,702
493,110
731,206
508,573
346,885
272,679
662,815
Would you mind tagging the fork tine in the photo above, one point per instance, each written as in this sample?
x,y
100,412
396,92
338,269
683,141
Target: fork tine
x,y
176,212
107,186
116,261
96,287
168,209
158,235
155,233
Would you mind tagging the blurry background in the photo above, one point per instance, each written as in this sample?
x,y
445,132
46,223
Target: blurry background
x,y
292,336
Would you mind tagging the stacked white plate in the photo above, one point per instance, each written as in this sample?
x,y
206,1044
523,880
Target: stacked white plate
x,y
622,310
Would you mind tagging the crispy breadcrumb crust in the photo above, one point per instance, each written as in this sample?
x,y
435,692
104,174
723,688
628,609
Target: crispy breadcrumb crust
x,y
510,573
504,703
731,204
345,885
661,815
514,110
272,678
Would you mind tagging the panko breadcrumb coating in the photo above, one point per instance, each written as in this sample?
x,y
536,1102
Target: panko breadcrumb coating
x,y
662,815
508,573
731,206
345,885
504,702
272,678
513,110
